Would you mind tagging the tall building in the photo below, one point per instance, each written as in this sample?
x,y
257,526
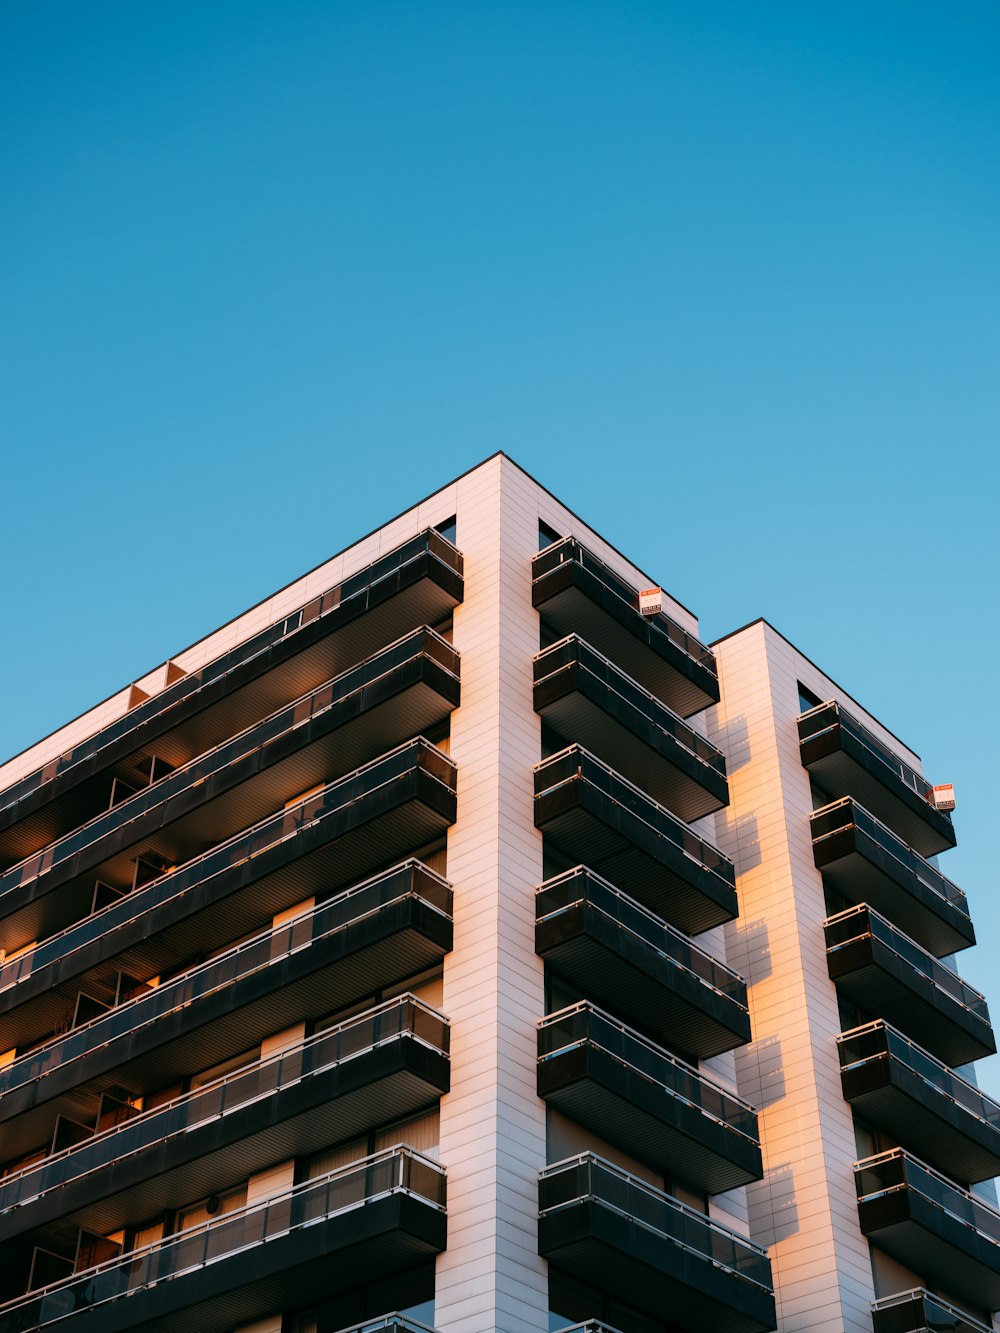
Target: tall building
x,y
456,941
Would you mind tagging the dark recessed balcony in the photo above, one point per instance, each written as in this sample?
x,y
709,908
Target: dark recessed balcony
x,y
371,937
409,687
384,1064
593,815
418,583
616,951
357,1224
585,698
846,759
650,1249
920,1102
578,593
930,1225
918,1311
886,974
340,834
865,862
634,1094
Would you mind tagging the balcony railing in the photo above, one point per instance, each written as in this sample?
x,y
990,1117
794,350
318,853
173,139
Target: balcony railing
x,y
588,699
389,1323
311,821
92,1044
931,1225
624,956
863,859
903,1089
917,1311
594,814
886,973
659,1253
164,1127
658,1108
577,591
849,760
341,601
394,1171
146,811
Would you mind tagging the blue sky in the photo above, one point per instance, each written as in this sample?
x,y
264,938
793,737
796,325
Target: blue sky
x,y
723,276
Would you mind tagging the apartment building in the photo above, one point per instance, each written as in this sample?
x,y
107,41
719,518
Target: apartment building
x,y
455,941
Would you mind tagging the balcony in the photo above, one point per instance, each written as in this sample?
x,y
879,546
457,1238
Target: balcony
x,y
593,815
345,723
325,1236
846,759
384,1064
578,593
621,955
337,835
865,862
374,936
886,975
659,1109
920,1102
585,698
650,1249
418,583
918,1311
931,1226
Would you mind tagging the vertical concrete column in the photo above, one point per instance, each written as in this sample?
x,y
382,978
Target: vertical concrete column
x,y
804,1210
492,1122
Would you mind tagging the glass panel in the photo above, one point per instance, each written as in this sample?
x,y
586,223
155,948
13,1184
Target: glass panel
x,y
581,885
583,1023
589,1176
847,813
573,650
570,549
576,762
877,1041
862,922
896,1169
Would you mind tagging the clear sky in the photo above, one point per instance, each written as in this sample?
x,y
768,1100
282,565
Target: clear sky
x,y
724,276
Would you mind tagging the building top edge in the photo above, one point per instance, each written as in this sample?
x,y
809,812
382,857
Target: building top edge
x,y
8,762
763,620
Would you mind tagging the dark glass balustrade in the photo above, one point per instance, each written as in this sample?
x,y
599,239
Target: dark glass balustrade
x,y
576,592
592,814
119,1294
585,698
422,658
622,955
847,759
188,1136
651,1249
888,975
864,860
405,798
335,950
657,1108
930,1225
917,1311
920,1102
415,584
